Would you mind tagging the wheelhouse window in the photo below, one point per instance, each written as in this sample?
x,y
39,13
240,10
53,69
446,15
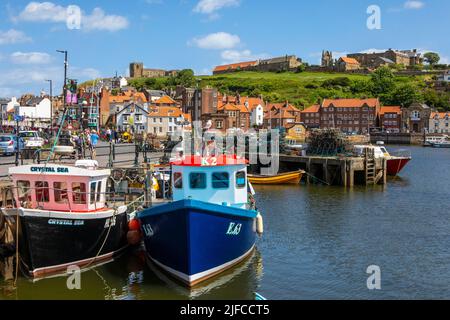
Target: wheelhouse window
x,y
197,180
92,193
60,190
178,180
99,191
23,191
42,191
220,180
241,180
79,193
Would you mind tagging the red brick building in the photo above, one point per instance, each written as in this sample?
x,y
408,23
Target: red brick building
x,y
350,115
391,119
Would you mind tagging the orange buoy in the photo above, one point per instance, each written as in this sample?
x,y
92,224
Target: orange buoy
x,y
134,225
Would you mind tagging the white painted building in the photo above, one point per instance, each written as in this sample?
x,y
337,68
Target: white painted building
x,y
439,122
257,116
132,117
444,77
35,108
166,121
12,105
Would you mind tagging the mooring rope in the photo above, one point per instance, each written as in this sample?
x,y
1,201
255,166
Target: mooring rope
x,y
320,180
113,218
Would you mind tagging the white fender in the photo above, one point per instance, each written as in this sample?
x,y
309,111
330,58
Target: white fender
x,y
259,224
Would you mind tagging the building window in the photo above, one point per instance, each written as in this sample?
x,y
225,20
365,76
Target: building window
x,y
197,180
220,180
160,129
219,124
154,120
160,120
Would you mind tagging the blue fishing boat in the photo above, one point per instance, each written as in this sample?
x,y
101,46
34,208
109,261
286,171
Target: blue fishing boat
x,y
210,226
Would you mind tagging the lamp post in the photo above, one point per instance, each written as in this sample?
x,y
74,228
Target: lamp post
x,y
51,106
65,80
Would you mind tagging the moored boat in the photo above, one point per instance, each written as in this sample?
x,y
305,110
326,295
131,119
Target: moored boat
x,y
283,178
209,227
63,217
395,162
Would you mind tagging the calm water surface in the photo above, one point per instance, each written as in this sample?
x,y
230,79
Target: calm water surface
x,y
318,243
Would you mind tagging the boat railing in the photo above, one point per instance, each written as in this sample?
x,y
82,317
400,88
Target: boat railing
x,y
402,153
111,199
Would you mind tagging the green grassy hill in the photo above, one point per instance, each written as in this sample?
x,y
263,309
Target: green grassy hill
x,y
302,89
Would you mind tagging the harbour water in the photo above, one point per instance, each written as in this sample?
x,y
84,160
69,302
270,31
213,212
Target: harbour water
x,y
318,243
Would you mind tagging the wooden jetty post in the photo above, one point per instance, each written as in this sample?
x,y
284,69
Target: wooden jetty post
x,y
351,170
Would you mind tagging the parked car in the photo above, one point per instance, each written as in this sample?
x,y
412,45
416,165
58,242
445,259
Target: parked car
x,y
8,144
32,139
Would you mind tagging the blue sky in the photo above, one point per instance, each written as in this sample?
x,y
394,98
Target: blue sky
x,y
199,34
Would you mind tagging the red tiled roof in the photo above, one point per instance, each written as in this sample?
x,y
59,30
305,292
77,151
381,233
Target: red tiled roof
x,y
235,66
390,109
349,60
313,109
165,112
440,114
165,100
350,103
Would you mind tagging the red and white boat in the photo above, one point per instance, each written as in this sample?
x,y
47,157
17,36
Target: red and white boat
x,y
395,161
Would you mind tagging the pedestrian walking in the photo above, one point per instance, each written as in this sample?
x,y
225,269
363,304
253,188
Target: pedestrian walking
x,y
94,140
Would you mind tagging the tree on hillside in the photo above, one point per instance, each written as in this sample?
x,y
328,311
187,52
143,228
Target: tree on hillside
x,y
382,81
432,58
404,95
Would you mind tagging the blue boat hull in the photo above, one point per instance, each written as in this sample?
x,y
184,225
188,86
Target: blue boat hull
x,y
194,240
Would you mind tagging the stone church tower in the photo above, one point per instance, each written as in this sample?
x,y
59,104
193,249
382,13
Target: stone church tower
x,y
327,59
136,69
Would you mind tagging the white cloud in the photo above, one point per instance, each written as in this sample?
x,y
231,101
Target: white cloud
x,y
217,41
43,11
50,12
210,7
414,4
13,36
30,58
232,56
98,20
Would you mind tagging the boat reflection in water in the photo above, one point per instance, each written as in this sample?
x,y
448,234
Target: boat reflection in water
x,y
238,283
131,277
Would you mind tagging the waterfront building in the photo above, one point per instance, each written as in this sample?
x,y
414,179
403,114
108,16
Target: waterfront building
x,y
391,119
439,122
132,118
311,116
164,121
416,118
349,115
111,104
296,132
199,102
